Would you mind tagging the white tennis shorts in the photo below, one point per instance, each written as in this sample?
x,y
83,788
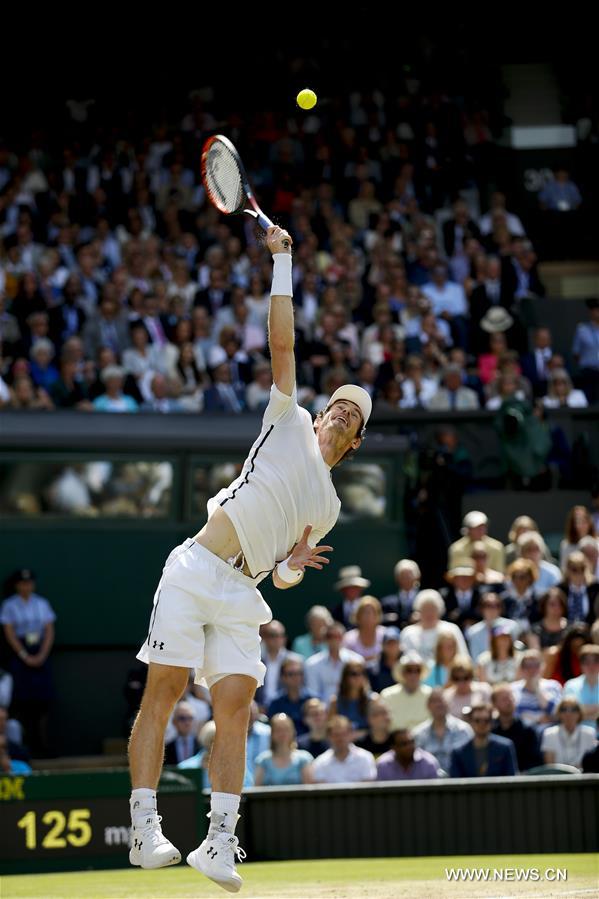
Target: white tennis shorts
x,y
206,616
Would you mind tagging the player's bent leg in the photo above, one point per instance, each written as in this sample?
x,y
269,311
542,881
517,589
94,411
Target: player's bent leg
x,y
216,856
149,847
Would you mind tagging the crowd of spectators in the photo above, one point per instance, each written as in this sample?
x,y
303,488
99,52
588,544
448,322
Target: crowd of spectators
x,y
122,290
496,673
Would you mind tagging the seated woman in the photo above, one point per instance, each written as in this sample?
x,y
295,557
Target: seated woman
x,y
561,661
318,620
569,740
445,652
353,698
498,664
462,691
549,630
367,637
519,598
561,393
283,763
531,546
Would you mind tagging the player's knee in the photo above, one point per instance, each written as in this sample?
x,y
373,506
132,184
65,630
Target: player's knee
x,y
231,698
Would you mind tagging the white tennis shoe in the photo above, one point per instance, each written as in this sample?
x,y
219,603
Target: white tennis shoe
x,y
216,857
149,847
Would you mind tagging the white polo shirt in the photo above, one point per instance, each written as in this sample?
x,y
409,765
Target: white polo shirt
x,y
359,765
569,748
284,485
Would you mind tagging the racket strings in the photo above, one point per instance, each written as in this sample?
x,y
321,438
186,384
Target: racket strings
x,y
223,179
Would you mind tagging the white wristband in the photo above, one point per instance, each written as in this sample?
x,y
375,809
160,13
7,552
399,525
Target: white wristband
x,y
287,574
281,276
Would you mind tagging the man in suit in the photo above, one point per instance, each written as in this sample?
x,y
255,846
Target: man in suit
x,y
397,607
273,653
223,396
216,294
509,725
485,755
453,395
520,273
156,324
108,328
66,320
185,743
495,290
351,585
462,597
535,364
458,228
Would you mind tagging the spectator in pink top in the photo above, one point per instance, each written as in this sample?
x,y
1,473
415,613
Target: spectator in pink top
x,y
367,637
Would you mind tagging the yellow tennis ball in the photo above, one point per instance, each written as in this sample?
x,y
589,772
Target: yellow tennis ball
x,y
306,98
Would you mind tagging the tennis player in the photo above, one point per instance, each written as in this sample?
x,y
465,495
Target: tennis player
x,y
207,608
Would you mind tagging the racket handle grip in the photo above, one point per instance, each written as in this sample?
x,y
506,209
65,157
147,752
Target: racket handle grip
x,y
266,223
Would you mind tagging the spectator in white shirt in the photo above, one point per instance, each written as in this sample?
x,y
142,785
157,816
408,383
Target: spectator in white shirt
x,y
422,637
449,302
561,393
453,394
568,741
323,671
498,205
479,635
343,762
417,389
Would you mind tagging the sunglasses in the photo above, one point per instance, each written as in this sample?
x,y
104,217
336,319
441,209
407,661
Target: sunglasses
x,y
576,570
481,720
568,708
293,674
184,717
355,673
412,669
462,677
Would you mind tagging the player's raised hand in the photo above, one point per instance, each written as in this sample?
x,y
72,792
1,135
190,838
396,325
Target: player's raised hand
x,y
278,240
305,556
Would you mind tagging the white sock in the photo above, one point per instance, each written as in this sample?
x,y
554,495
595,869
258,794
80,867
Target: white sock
x,y
223,813
142,803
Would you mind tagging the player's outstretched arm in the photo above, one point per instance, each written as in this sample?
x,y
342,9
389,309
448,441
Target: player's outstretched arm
x,y
281,334
291,571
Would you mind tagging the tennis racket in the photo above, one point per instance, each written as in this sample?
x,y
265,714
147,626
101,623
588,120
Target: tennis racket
x,y
226,182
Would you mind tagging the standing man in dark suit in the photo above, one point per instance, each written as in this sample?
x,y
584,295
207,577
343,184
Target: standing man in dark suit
x,y
109,327
535,364
185,743
510,726
216,295
458,228
485,755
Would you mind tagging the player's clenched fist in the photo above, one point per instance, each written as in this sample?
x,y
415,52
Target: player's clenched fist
x,y
278,240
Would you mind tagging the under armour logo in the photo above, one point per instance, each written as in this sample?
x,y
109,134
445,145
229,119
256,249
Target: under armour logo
x,y
137,843
155,644
211,852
